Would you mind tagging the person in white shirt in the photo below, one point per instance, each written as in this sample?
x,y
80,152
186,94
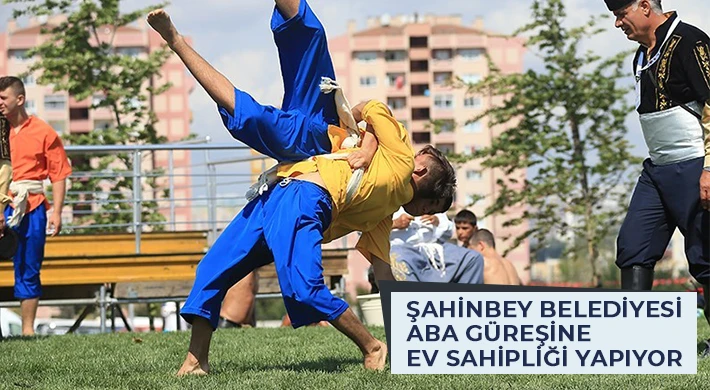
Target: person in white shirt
x,y
420,251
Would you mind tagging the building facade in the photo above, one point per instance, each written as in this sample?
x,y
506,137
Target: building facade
x,y
413,63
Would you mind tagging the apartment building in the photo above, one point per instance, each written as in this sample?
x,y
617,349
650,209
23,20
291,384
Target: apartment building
x,y
409,62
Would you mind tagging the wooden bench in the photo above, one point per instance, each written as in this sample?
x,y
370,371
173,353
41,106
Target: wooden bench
x,y
82,266
112,258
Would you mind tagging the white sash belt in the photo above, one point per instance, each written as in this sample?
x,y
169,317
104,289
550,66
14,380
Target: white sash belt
x,y
673,135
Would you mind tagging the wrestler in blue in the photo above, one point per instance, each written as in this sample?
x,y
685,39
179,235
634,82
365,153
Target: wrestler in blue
x,y
672,71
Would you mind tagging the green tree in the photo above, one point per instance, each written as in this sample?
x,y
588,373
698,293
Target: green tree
x,y
567,121
79,56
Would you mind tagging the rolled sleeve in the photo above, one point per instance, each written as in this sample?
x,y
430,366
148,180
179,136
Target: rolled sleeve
x,y
391,135
58,167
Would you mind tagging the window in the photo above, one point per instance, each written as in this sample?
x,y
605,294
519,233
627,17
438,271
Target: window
x,y
395,55
446,148
368,81
59,126
473,127
446,125
442,54
19,55
397,103
366,56
471,78
102,125
470,149
472,102
420,90
472,174
31,107
418,41
441,78
444,101
55,102
419,66
130,51
420,114
470,54
421,138
29,80
396,80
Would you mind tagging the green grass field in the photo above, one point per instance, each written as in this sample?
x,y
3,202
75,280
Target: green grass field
x,y
310,358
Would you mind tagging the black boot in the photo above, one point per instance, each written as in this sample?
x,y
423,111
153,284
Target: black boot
x,y
637,278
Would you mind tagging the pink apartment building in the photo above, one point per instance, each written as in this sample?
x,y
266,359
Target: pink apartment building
x,y
66,115
407,61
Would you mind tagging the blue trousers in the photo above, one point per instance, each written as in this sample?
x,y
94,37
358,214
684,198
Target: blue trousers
x,y
666,197
300,128
32,234
285,226
462,265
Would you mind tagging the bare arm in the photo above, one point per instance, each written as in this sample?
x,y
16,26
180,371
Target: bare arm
x,y
220,89
58,192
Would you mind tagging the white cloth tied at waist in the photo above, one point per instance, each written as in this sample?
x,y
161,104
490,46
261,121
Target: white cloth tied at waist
x,y
434,252
21,191
673,135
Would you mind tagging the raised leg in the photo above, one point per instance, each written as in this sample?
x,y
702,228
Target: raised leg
x,y
304,58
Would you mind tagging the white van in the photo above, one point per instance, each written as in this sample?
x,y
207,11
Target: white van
x,y
10,323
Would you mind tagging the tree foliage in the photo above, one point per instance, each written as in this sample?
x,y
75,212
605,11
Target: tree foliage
x,y
566,121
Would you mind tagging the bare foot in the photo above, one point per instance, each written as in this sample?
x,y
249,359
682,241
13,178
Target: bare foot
x,y
192,366
161,23
375,360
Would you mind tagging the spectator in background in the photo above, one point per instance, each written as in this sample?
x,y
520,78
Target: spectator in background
x,y
421,252
37,154
466,224
496,269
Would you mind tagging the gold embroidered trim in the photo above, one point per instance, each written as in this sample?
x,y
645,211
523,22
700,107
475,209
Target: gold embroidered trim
x,y
399,268
702,55
664,72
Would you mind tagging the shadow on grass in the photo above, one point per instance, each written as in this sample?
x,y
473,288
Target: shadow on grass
x,y
320,365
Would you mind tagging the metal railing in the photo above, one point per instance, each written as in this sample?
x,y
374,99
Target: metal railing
x,y
204,188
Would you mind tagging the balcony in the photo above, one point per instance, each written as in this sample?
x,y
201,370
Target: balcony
x,y
420,114
420,102
419,53
420,89
419,66
421,138
420,78
80,125
418,42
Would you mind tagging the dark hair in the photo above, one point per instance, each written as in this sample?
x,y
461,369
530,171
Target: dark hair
x,y
11,81
466,216
485,236
440,181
